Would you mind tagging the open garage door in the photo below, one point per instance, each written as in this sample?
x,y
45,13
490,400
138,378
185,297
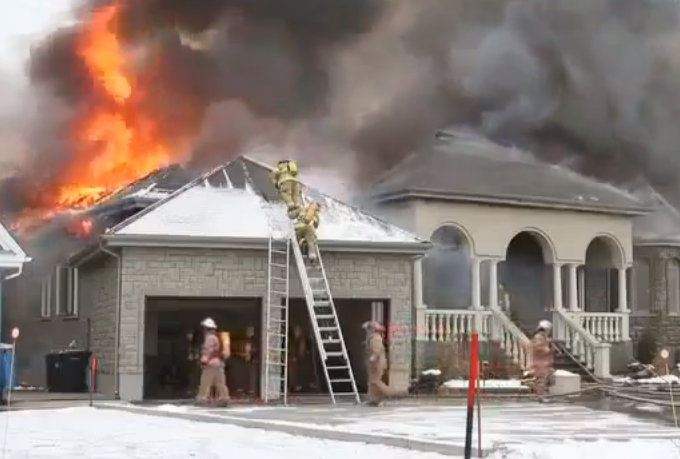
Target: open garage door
x,y
173,337
305,372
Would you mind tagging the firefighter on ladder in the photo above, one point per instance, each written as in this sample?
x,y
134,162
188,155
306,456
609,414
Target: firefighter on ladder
x,y
305,230
285,180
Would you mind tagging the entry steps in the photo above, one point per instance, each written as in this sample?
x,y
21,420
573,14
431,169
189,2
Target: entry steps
x,y
326,327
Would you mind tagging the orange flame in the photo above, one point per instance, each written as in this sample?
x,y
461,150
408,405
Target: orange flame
x,y
114,143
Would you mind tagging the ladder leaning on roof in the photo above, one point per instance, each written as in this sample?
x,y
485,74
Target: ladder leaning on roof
x,y
326,326
276,320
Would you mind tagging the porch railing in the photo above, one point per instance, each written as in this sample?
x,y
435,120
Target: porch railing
x,y
593,353
605,326
516,344
442,325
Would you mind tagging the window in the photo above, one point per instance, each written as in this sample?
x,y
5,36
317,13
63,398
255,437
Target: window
x,y
641,286
673,277
59,293
45,297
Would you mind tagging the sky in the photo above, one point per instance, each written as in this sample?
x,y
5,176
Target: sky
x,y
22,23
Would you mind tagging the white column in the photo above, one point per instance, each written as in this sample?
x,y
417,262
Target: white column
x,y
418,282
493,283
623,291
557,287
573,288
476,285
623,305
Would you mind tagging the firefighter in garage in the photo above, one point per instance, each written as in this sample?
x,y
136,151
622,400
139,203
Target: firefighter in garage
x,y
285,180
376,363
305,230
212,366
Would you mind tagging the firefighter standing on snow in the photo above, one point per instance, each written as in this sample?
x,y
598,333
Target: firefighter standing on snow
x,y
285,179
305,230
542,357
212,365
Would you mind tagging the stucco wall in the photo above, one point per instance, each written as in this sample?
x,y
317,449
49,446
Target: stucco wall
x,y
491,228
215,273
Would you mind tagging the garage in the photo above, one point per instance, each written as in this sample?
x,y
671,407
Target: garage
x,y
173,338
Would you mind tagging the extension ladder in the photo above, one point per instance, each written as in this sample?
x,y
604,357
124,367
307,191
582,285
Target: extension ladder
x,y
276,321
326,327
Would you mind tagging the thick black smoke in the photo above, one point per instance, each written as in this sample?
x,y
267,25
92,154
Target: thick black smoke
x,y
591,83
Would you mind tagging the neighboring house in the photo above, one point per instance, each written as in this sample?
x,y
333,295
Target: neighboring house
x,y
42,302
203,251
12,261
516,239
656,309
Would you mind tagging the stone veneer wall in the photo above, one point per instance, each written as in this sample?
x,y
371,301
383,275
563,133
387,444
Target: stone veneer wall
x,y
656,317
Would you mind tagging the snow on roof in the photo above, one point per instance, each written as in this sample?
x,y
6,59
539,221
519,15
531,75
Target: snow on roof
x,y
11,254
202,209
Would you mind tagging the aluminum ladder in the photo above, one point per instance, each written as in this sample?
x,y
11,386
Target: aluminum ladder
x,y
328,336
276,321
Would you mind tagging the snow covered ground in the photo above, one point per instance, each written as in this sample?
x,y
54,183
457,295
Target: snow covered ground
x,y
488,384
107,434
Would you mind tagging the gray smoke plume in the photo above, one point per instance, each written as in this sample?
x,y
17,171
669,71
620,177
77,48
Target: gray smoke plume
x,y
594,84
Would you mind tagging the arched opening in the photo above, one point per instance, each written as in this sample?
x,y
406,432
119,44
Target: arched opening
x,y
598,278
447,272
525,279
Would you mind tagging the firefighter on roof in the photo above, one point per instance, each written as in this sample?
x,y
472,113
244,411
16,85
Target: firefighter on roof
x,y
285,179
305,230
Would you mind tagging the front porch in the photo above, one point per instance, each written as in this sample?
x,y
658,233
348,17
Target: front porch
x,y
504,298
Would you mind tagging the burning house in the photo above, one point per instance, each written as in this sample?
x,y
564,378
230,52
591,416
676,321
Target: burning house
x,y
144,285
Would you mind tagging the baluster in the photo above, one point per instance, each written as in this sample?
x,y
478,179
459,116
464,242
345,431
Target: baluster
x,y
440,328
448,332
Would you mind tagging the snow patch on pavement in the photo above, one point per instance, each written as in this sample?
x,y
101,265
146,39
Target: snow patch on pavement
x,y
487,384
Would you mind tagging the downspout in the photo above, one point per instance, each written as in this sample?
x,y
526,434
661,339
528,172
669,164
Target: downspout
x,y
116,356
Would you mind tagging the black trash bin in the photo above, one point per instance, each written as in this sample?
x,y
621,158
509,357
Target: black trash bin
x,y
67,371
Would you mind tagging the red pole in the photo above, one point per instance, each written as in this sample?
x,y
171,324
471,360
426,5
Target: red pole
x,y
93,371
472,389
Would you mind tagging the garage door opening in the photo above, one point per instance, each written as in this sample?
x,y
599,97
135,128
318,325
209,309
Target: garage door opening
x,y
173,337
305,372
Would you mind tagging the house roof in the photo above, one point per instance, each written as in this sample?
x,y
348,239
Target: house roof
x,y
11,254
662,225
466,168
237,202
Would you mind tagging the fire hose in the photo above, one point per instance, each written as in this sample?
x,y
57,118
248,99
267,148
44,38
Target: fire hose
x,y
616,391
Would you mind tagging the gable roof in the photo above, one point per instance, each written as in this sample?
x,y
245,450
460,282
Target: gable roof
x,y
455,167
11,254
237,202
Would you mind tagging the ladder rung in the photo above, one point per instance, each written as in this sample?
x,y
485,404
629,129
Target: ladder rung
x,y
279,279
278,306
322,304
324,317
282,252
279,265
342,367
338,381
278,292
335,354
315,279
327,329
353,394
277,349
330,341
